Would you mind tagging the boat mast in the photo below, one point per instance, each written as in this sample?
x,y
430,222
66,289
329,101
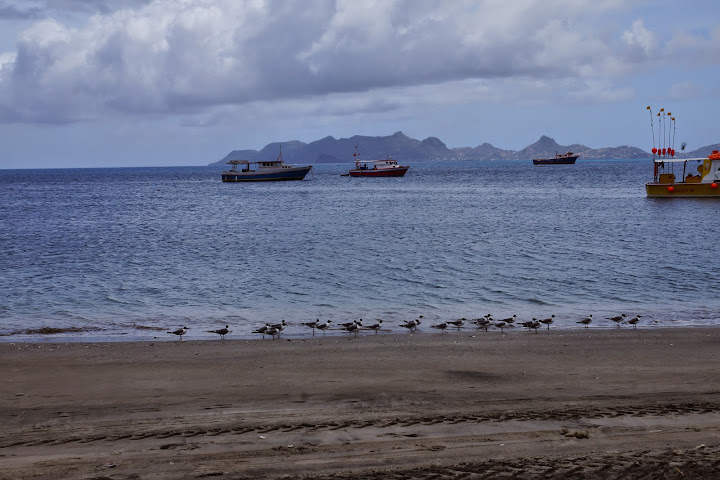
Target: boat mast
x,y
652,129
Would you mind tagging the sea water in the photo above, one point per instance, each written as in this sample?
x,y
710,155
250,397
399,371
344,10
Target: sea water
x,y
130,253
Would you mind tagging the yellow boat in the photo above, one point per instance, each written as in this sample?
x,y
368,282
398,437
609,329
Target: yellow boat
x,y
704,183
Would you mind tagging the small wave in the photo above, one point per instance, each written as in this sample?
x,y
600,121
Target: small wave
x,y
146,327
52,331
537,301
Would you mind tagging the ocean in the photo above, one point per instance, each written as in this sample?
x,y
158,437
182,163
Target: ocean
x,y
130,253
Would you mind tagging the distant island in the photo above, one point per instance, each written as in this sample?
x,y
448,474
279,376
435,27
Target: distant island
x,y
406,149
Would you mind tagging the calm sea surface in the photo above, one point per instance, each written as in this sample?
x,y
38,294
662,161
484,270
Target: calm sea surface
x,y
116,253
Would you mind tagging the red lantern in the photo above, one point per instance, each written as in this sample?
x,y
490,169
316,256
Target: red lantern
x,y
672,152
664,150
671,189
654,150
713,185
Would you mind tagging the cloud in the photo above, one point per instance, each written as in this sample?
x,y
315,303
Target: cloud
x,y
642,43
686,90
8,11
193,56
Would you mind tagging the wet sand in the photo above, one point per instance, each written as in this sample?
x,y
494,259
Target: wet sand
x,y
472,404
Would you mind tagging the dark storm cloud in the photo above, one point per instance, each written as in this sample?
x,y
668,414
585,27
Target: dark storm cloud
x,y
166,56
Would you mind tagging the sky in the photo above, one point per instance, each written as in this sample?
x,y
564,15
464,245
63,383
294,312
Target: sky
x,y
113,83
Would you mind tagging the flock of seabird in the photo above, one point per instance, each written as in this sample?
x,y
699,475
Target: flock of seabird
x,y
354,327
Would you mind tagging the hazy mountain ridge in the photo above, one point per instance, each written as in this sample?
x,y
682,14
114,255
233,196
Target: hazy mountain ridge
x,y
406,149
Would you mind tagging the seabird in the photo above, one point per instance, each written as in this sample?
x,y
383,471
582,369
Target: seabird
x,y
634,321
509,319
323,326
501,326
375,326
586,321
273,331
548,321
354,322
536,324
262,330
180,332
483,322
222,332
617,319
529,323
353,328
312,325
440,326
412,324
457,323
280,326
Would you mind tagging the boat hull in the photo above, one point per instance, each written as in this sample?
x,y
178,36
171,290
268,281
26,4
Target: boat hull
x,y
389,172
555,161
674,190
286,174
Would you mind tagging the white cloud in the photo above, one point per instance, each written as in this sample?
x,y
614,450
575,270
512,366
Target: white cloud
x,y
686,90
193,56
641,42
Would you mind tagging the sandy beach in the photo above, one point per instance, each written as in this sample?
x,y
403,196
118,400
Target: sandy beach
x,y
559,404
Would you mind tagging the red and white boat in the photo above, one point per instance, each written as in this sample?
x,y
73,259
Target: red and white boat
x,y
377,168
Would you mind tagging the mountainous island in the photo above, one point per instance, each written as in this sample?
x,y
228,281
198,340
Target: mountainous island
x,y
406,149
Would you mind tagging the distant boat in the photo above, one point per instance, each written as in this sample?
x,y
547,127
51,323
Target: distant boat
x,y
559,159
388,167
264,171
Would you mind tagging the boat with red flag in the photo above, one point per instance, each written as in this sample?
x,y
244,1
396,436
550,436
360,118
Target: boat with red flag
x,y
388,167
702,177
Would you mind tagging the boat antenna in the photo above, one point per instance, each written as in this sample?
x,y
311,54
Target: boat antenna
x,y
280,155
652,129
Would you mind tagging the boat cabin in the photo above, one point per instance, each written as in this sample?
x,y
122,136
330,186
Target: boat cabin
x,y
708,170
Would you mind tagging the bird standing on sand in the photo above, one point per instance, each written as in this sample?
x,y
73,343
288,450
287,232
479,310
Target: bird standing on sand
x,y
634,321
222,332
501,325
509,320
354,322
375,326
586,321
312,325
274,332
353,328
457,323
536,324
411,324
529,323
483,322
262,330
279,326
548,321
617,319
323,326
180,332
440,326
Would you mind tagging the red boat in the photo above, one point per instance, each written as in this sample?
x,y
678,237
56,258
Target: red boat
x,y
377,168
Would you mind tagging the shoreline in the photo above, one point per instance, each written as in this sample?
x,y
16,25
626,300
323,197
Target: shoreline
x,y
50,338
572,404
